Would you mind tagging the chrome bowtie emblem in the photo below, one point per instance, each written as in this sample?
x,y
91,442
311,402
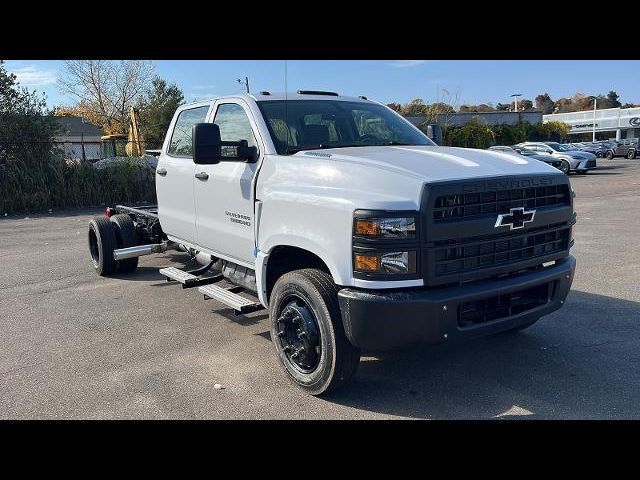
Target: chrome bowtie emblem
x,y
516,218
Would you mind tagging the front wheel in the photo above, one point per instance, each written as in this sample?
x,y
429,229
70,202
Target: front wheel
x,y
307,332
631,154
609,155
564,167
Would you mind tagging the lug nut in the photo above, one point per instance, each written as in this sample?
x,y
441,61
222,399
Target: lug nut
x,y
281,333
287,349
302,335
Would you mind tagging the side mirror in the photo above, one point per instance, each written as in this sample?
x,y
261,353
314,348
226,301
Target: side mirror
x,y
208,149
434,132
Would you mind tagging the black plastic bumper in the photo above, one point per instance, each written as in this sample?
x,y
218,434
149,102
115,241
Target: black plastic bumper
x,y
381,320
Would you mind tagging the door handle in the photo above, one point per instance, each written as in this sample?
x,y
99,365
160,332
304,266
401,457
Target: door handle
x,y
161,171
202,176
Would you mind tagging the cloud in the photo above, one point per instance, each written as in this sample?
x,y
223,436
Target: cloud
x,y
34,76
407,63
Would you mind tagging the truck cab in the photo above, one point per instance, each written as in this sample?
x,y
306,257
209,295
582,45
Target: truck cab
x,y
358,232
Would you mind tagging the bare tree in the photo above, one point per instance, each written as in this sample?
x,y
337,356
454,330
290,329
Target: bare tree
x,y
105,89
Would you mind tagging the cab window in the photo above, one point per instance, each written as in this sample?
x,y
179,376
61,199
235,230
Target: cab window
x,y
180,145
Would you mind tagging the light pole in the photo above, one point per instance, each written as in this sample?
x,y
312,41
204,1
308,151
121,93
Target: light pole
x,y
515,99
245,83
595,103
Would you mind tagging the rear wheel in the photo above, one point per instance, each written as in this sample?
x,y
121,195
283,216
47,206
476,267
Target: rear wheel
x,y
631,154
609,155
102,243
307,332
126,236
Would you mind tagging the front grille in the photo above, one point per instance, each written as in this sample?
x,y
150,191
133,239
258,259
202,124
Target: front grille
x,y
468,255
501,201
591,163
503,306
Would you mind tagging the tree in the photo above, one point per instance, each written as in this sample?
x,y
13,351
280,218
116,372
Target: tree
x,y
614,99
483,107
545,104
396,107
472,135
415,107
105,89
525,105
503,107
156,108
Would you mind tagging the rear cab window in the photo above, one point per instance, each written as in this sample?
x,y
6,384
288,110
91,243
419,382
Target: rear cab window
x,y
181,137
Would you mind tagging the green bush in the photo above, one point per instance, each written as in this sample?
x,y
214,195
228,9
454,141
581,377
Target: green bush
x,y
55,183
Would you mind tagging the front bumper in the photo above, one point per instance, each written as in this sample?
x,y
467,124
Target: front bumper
x,y
381,320
587,165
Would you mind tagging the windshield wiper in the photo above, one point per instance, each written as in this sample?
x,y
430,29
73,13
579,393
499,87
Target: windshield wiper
x,y
323,147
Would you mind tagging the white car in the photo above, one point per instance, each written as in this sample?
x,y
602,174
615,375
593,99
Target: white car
x,y
353,228
580,162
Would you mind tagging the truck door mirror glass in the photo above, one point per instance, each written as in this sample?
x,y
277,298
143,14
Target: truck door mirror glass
x,y
434,132
208,149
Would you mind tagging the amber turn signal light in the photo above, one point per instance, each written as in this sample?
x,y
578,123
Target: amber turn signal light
x,y
366,263
367,227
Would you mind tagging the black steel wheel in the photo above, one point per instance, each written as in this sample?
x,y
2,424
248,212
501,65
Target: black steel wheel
x,y
308,334
126,236
299,335
102,243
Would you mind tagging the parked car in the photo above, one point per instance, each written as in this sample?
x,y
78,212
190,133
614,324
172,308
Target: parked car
x,y
626,149
558,163
579,162
353,228
598,149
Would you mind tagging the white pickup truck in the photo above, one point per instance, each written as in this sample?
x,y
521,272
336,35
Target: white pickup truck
x,y
353,228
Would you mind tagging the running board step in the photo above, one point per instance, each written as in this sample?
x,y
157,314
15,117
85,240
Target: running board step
x,y
240,304
187,279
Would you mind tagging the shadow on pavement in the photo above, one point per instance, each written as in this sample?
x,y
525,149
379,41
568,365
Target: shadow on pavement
x,y
579,362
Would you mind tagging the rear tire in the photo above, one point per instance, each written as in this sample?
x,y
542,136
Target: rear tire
x,y
102,243
307,301
631,154
609,155
126,236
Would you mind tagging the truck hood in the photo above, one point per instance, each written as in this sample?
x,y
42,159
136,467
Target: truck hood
x,y
434,163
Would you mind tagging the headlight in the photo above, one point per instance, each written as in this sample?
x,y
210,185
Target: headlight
x,y
385,245
387,263
385,227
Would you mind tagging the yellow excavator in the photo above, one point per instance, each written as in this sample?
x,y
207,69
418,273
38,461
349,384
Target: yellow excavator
x,y
132,143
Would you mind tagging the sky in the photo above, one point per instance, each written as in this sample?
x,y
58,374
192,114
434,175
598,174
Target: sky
x,y
455,81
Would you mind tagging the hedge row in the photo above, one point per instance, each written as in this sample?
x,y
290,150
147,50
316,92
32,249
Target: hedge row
x,y
27,186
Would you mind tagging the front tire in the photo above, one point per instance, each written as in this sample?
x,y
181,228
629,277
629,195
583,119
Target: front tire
x,y
564,167
631,154
609,155
307,332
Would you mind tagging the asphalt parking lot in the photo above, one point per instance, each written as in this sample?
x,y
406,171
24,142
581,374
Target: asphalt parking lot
x,y
75,345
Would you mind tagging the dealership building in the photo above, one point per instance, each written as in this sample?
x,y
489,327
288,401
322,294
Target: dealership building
x,y
618,123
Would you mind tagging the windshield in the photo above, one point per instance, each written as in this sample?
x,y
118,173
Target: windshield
x,y
561,148
317,124
525,151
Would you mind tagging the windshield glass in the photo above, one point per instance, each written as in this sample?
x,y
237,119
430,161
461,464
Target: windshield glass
x,y
526,152
317,124
561,148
